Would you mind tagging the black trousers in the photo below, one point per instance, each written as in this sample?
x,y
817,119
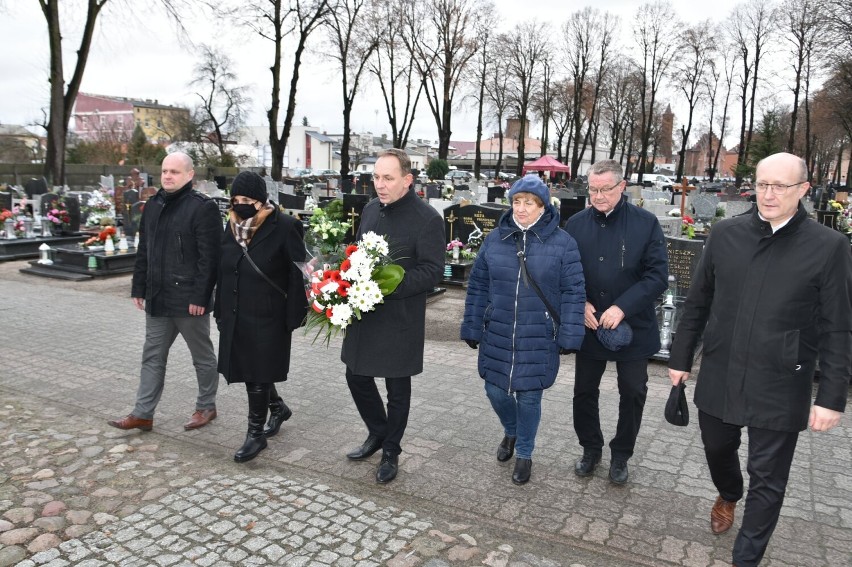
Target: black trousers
x,y
632,390
389,425
770,454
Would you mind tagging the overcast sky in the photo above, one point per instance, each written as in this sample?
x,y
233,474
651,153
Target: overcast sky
x,y
139,56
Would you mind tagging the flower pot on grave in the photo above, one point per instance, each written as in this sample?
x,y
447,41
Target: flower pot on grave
x,y
455,254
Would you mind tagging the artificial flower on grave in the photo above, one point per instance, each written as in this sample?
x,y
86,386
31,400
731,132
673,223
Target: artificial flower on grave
x,y
100,209
101,238
59,216
327,231
453,244
687,228
342,291
5,214
844,216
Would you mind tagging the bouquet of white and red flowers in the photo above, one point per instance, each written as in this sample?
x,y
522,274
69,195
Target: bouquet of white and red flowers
x,y
341,291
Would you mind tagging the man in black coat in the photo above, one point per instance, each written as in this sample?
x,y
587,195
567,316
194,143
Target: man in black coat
x,y
179,242
389,341
625,265
774,289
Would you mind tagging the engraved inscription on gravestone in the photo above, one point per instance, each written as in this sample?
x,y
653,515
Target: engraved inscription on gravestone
x,y
684,255
473,217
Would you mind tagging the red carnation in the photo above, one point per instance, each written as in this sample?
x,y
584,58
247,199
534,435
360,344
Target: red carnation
x,y
350,249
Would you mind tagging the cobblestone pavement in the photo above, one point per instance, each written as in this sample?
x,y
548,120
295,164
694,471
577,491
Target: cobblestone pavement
x,y
74,491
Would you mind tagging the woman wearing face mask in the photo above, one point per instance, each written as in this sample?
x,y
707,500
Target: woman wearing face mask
x,y
260,300
519,333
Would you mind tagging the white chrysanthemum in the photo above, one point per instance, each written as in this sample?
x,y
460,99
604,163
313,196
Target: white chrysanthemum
x,y
341,315
365,295
361,266
373,242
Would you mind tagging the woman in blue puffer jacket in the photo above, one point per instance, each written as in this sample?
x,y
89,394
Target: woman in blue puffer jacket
x,y
520,336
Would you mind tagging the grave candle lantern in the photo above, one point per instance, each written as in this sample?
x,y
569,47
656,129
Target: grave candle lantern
x,y
9,227
44,254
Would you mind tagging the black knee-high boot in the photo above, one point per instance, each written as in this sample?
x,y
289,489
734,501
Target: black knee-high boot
x,y
258,402
278,413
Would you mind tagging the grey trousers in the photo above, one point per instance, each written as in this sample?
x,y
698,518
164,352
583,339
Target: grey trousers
x,y
160,334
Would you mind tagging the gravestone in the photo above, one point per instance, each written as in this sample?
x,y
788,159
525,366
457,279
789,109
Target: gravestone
x,y
569,208
657,209
35,186
496,192
128,198
365,184
107,182
684,255
347,184
134,217
736,208
221,181
462,195
147,193
118,200
440,205
433,191
809,207
704,206
6,200
461,221
294,202
353,205
224,205
48,202
671,225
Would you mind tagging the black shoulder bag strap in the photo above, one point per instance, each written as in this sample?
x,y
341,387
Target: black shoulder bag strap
x,y
522,258
264,276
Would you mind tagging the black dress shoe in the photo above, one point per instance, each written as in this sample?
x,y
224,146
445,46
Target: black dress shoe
x,y
506,449
387,468
523,468
370,446
586,465
618,471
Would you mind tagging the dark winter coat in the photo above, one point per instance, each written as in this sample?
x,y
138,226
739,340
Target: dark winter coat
x,y
771,303
255,320
180,237
518,339
625,263
388,341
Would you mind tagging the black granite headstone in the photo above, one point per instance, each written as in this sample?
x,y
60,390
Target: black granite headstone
x,y
433,191
221,182
131,223
129,197
6,200
347,184
353,204
684,255
49,201
569,207
35,186
496,192
365,184
224,205
295,202
470,218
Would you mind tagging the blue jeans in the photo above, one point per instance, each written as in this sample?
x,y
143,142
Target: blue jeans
x,y
520,414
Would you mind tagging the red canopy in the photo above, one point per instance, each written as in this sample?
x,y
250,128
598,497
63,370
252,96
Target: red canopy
x,y
546,163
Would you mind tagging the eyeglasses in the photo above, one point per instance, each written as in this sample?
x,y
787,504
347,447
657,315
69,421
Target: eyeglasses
x,y
602,191
776,188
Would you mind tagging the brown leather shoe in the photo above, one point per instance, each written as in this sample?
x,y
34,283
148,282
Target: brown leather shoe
x,y
722,515
132,422
200,418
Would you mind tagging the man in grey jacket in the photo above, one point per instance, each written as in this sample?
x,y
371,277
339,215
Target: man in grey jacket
x,y
180,237
774,289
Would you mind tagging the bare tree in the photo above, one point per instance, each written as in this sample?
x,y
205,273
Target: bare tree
x,y
353,47
277,21
587,38
652,33
563,96
696,49
482,67
542,102
223,102
440,34
620,101
751,25
497,95
804,25
396,72
526,51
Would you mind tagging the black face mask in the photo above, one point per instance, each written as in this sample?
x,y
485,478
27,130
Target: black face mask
x,y
244,211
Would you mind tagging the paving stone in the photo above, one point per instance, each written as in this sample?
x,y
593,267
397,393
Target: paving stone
x,y
44,542
20,516
50,523
18,536
12,555
54,508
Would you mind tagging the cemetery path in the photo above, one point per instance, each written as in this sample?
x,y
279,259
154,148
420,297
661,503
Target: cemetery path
x,y
75,491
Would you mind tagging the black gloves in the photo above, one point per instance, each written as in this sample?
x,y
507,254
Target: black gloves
x,y
567,350
472,343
